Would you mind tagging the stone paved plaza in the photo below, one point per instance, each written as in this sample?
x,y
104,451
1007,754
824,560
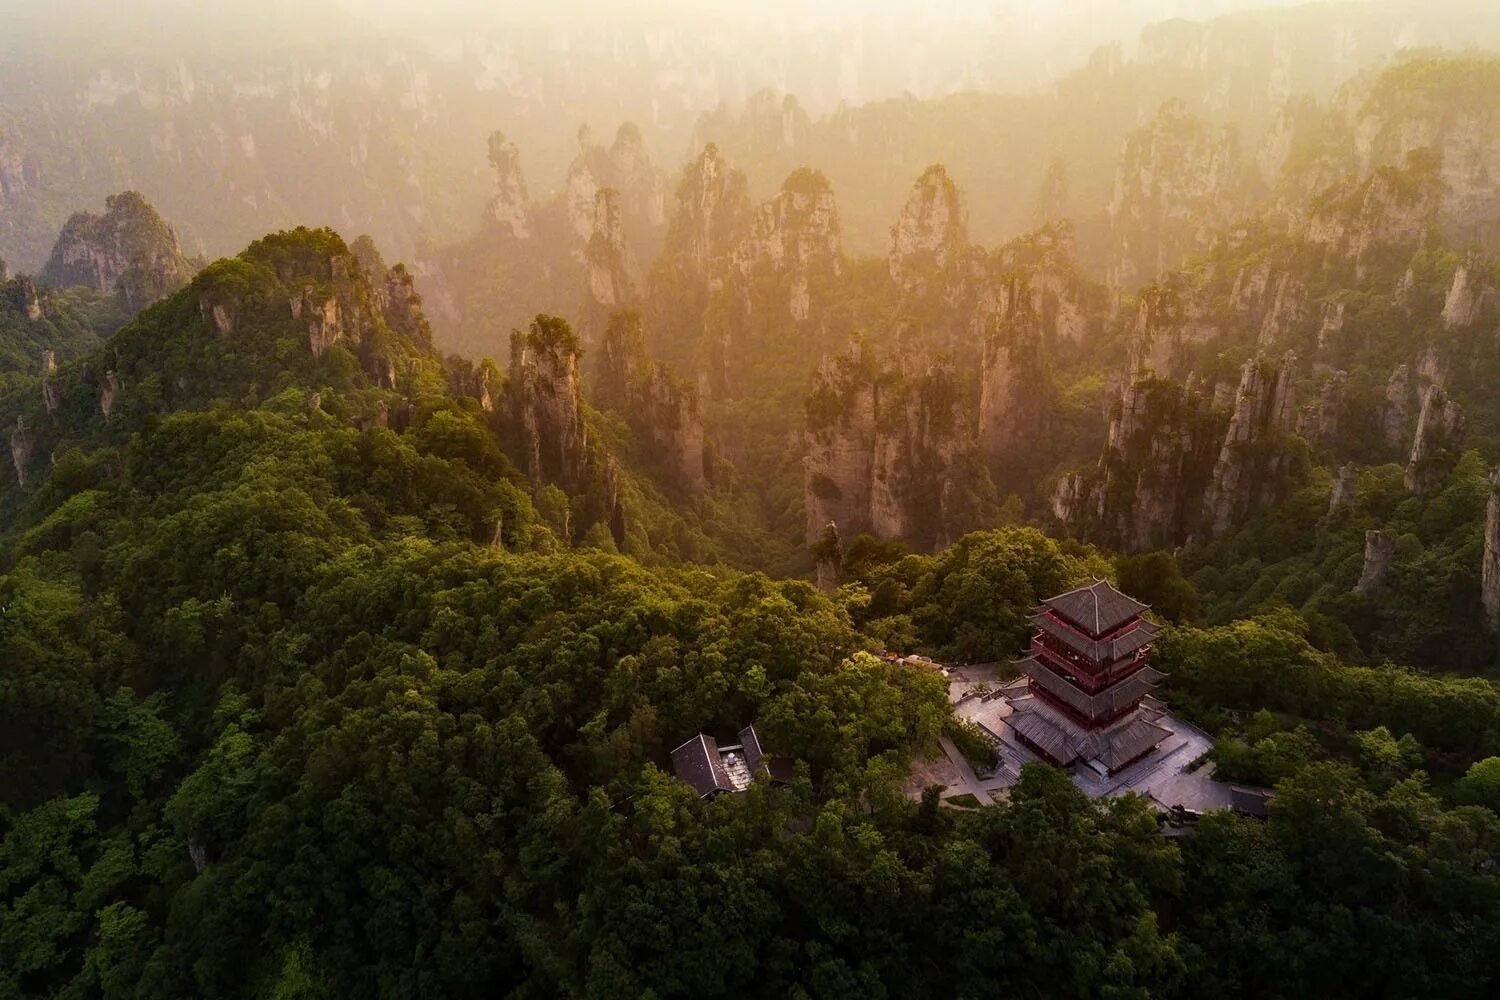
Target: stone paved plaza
x,y
1162,775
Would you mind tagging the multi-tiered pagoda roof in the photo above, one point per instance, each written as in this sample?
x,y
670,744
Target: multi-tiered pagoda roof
x,y
1085,686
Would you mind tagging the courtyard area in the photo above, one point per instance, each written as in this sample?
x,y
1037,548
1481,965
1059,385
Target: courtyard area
x,y
1162,775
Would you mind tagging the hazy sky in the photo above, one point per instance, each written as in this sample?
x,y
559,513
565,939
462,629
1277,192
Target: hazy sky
x,y
826,51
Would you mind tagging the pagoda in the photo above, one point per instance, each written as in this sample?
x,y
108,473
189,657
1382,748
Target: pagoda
x,y
1084,694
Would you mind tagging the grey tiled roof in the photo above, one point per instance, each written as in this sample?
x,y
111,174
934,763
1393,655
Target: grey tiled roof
x,y
1097,607
710,768
1065,741
1113,699
750,740
1100,651
697,763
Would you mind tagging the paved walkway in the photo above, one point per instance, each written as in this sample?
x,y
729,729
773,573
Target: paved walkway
x,y
965,773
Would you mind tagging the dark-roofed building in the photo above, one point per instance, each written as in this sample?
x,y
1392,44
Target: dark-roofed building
x,y
1085,688
711,768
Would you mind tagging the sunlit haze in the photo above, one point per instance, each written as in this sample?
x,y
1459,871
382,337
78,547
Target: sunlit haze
x,y
683,499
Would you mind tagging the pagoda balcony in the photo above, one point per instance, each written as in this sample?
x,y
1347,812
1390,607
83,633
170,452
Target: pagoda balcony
x,y
1086,675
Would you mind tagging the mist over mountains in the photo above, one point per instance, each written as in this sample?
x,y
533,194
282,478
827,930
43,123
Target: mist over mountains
x,y
791,500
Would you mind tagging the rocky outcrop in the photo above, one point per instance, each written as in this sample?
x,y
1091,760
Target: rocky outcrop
x,y
626,168
712,207
1288,312
1147,490
1445,108
222,315
544,403
1395,411
325,319
22,448
665,414
1252,288
50,396
396,296
607,256
109,391
509,207
1318,423
839,466
339,304
1015,398
128,251
1468,294
1331,326
1251,469
1438,442
479,382
886,448
1344,487
930,233
32,306
1380,548
795,237
1178,178
1173,317
828,558
1490,575
1389,212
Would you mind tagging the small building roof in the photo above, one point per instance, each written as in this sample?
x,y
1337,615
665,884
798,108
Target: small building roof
x,y
1096,607
697,762
1250,800
750,741
711,768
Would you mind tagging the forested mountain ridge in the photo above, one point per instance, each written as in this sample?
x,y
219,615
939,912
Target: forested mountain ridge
x,y
276,722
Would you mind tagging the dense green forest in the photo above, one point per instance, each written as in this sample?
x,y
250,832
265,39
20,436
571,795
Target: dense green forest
x,y
284,717
336,665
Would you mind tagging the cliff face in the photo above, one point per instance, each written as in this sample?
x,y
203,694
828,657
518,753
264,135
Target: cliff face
x,y
733,279
1395,412
1438,443
794,239
664,413
711,208
22,448
930,233
339,302
544,404
1380,548
510,208
1318,424
1490,575
128,251
543,422
1015,396
1450,106
961,292
1251,469
1381,217
626,168
1171,320
1177,179
1470,294
888,451
610,263
1175,467
1147,489
585,244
